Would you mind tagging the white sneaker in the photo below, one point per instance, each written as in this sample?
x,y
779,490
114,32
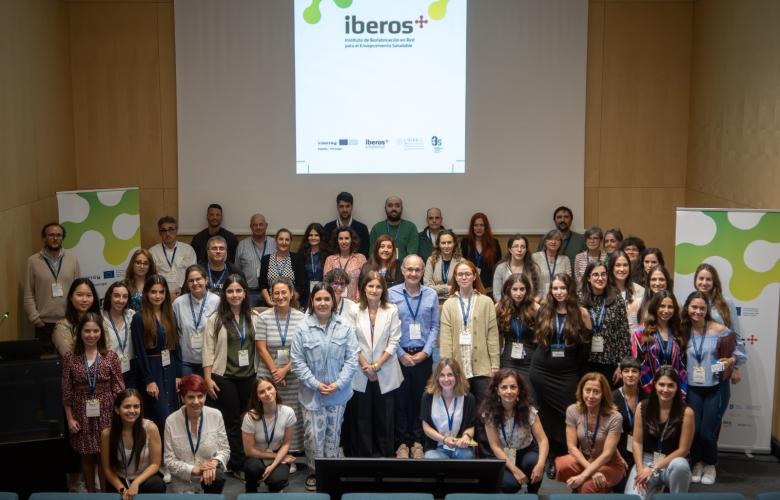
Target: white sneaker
x,y
293,469
709,474
696,473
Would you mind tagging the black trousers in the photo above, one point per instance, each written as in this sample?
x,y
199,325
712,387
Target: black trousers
x,y
231,400
43,334
370,423
217,484
276,481
407,400
154,484
478,387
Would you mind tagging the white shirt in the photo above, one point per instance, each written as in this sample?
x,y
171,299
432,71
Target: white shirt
x,y
172,264
276,428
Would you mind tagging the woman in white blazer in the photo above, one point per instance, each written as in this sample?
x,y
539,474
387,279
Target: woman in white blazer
x,y
370,418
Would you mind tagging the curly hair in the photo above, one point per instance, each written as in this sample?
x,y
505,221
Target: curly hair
x,y
491,408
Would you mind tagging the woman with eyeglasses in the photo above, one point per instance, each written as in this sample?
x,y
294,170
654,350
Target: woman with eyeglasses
x,y
141,266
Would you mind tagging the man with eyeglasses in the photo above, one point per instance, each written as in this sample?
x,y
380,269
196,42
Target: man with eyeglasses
x,y
218,268
171,257
50,273
418,310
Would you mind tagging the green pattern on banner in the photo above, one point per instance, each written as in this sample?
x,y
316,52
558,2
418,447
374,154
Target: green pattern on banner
x,y
312,15
101,219
730,243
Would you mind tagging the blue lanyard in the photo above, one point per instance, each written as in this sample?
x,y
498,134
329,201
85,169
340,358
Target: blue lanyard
x,y
268,439
660,446
666,347
409,305
122,345
519,328
397,230
218,283
629,414
258,254
92,380
341,307
280,268
445,270
512,435
173,255
242,331
595,430
282,336
196,322
450,417
465,312
194,447
315,263
551,272
698,353
51,268
559,326
597,324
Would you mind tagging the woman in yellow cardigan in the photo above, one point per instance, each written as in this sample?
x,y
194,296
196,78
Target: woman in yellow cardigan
x,y
468,331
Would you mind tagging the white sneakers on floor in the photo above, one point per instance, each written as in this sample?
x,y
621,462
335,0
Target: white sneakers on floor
x,y
708,475
698,469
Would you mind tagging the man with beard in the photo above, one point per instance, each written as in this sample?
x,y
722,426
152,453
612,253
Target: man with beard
x,y
214,228
344,203
572,243
50,273
403,232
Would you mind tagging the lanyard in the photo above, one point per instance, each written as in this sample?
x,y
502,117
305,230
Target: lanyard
x,y
660,446
242,331
218,283
51,268
666,347
280,267
464,312
397,230
194,447
344,267
258,254
551,272
315,263
173,255
341,308
559,326
125,461
698,353
450,417
445,270
196,322
92,380
409,305
629,414
282,336
268,439
597,324
519,328
122,345
595,430
512,434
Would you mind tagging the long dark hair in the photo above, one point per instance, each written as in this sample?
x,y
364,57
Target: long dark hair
x,y
110,292
71,314
167,319
613,257
587,296
102,344
651,316
491,409
529,267
640,270
490,249
305,249
317,288
686,323
572,331
354,240
254,407
506,309
225,314
651,409
115,432
716,294
375,262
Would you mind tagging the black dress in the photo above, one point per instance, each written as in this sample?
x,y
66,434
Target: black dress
x,y
518,333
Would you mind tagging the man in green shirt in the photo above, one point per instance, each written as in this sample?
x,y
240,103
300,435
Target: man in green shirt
x,y
403,232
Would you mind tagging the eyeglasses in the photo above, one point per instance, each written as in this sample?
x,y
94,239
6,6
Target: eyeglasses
x,y
141,263
164,230
598,275
336,284
464,275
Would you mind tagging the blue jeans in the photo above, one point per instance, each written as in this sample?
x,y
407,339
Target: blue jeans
x,y
676,476
525,460
706,405
442,454
191,368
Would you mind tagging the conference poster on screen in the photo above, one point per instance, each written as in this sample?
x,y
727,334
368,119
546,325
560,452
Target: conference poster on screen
x,y
380,86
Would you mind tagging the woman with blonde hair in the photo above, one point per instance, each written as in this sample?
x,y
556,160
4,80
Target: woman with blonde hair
x,y
438,267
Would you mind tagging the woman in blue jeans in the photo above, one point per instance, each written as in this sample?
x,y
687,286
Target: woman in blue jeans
x,y
448,412
514,431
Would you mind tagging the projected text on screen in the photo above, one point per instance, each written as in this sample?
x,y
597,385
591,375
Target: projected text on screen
x,y
380,86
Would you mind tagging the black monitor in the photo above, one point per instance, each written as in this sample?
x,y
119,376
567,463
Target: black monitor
x,y
337,476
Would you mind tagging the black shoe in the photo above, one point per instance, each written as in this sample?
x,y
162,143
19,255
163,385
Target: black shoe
x,y
551,469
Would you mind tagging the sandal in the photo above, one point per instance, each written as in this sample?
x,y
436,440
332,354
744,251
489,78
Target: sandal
x,y
311,483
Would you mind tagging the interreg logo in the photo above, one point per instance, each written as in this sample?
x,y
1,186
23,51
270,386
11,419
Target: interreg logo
x,y
436,11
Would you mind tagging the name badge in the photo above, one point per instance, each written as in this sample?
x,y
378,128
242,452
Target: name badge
x,y
93,408
396,254
717,367
414,331
312,284
196,340
166,357
465,338
558,352
257,272
518,350
243,357
698,375
630,443
56,290
597,344
658,456
125,362
282,357
511,454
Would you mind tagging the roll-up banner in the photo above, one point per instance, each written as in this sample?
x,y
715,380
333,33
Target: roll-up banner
x,y
104,229
744,247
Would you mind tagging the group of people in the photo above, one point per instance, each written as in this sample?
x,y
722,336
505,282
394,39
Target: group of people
x,y
576,359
